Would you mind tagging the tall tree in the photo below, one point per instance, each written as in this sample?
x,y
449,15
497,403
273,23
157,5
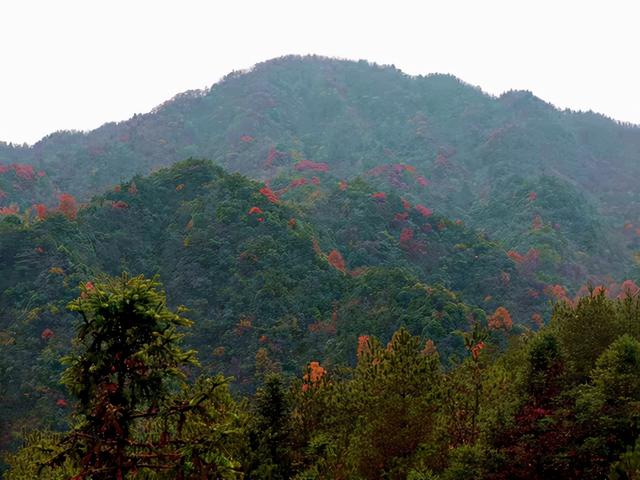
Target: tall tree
x,y
134,411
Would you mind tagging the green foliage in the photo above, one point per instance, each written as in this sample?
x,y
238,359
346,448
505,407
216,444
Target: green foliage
x,y
134,411
262,295
30,462
270,432
628,467
586,330
375,419
397,207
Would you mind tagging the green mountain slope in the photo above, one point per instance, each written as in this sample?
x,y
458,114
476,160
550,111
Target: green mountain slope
x,y
466,149
272,278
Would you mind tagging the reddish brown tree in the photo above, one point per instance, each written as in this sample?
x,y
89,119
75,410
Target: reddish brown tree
x,y
67,206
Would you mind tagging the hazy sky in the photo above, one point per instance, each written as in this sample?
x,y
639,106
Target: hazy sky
x,y
76,64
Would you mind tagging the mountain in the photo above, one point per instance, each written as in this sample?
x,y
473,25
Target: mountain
x,y
344,199
272,278
434,139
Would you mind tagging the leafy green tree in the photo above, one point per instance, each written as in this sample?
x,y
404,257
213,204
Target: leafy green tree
x,y
607,409
585,330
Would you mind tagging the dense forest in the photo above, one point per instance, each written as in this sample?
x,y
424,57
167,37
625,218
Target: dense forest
x,y
384,276
559,403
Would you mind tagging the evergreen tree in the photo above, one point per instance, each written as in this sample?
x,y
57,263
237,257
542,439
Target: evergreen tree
x,y
269,436
134,411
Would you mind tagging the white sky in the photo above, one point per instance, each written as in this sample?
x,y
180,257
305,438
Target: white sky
x,y
68,64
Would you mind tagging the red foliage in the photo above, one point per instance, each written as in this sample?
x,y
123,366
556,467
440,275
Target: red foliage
x,y
536,318
426,212
297,182
4,169
117,189
61,402
429,348
408,243
363,344
273,155
316,246
380,196
527,261
314,375
292,223
41,210
10,210
342,185
309,165
356,272
67,206
402,217
376,171
25,172
406,235
500,319
533,293
269,194
533,196
476,349
423,182
119,205
406,205
315,180
536,223
246,138
336,261
39,249
260,219
47,334
515,256
41,173
556,291
256,210
628,289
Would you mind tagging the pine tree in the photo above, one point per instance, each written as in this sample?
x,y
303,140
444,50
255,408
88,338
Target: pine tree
x,y
135,412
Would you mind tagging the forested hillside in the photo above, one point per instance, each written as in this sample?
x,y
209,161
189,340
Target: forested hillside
x,y
272,279
305,213
434,139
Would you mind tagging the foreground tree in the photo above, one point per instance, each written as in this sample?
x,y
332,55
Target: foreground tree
x,y
134,411
270,432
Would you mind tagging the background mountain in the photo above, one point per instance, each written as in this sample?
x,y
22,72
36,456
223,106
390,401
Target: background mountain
x,y
527,174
